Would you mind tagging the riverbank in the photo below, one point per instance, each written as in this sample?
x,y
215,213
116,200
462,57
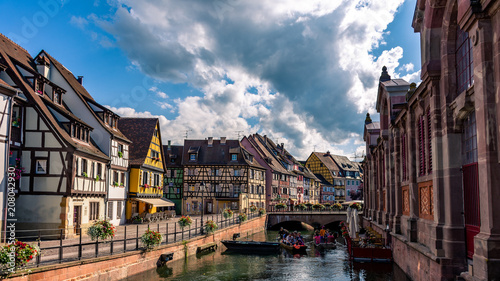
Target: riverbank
x,y
121,266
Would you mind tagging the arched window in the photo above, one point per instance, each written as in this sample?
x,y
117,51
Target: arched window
x,y
464,65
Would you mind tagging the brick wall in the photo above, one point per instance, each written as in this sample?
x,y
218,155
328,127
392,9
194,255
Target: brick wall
x,y
121,266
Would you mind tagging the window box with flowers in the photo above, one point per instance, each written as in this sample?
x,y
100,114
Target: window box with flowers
x,y
253,208
336,206
23,253
318,206
356,206
242,217
262,211
211,227
151,239
116,184
146,186
301,206
16,122
280,206
227,213
185,221
102,230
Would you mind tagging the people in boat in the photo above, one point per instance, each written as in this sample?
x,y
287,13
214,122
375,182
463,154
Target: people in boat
x,y
322,234
330,238
300,239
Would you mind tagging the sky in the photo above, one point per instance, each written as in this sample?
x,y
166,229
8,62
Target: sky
x,y
304,73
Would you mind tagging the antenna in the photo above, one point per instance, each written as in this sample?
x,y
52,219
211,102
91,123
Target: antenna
x,y
187,133
362,155
239,132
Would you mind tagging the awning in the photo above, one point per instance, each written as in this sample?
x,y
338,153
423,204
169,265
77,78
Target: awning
x,y
157,202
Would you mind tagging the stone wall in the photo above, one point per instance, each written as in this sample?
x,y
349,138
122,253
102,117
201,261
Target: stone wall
x,y
121,266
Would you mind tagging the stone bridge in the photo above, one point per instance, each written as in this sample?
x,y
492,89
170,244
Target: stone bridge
x,y
311,218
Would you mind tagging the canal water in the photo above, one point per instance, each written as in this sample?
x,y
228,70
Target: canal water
x,y
222,265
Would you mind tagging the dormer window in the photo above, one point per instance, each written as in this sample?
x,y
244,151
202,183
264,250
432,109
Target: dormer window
x,y
192,157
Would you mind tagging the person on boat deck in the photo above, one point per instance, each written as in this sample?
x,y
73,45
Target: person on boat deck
x,y
282,232
322,234
317,239
331,238
300,239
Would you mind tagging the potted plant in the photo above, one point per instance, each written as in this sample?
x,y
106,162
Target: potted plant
x,y
151,239
242,217
102,230
185,221
137,219
21,252
115,183
280,206
301,206
327,205
146,185
227,213
253,208
262,211
120,154
210,227
85,175
97,178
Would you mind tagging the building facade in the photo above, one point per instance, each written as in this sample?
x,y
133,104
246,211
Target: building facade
x,y
174,177
433,170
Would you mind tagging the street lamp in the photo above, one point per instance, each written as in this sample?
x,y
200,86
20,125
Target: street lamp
x,y
202,188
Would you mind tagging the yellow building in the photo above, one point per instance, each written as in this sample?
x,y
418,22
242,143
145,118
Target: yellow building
x,y
323,164
147,166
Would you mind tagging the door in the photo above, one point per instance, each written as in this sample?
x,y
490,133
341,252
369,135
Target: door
x,y
471,206
77,219
472,216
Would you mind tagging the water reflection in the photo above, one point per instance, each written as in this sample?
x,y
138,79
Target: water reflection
x,y
316,265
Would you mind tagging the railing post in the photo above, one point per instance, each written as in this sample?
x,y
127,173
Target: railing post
x,y
38,257
175,233
125,239
60,246
111,247
166,235
80,245
97,247
137,238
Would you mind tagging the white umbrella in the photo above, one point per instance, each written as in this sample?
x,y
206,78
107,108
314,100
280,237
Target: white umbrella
x,y
350,221
355,220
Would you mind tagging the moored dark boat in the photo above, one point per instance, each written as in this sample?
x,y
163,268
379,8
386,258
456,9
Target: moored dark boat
x,y
251,247
376,254
295,249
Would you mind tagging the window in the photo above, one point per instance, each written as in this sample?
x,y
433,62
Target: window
x,y
421,145
429,143
234,157
94,211
403,157
120,148
119,210
41,166
99,170
122,181
110,209
145,178
236,173
84,167
115,178
192,157
463,57
469,140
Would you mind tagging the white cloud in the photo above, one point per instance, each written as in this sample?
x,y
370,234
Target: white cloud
x,y
78,22
301,71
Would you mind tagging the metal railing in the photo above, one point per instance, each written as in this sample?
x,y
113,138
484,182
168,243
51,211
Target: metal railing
x,y
55,248
293,209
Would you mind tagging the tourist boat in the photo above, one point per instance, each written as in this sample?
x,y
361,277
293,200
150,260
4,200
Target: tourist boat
x,y
251,247
325,246
295,249
377,254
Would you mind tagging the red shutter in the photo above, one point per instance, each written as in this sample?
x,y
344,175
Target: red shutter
x,y
429,144
403,155
421,146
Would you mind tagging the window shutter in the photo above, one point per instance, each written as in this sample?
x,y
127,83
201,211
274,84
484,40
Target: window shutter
x,y
429,144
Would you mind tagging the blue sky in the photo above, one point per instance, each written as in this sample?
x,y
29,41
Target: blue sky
x,y
302,72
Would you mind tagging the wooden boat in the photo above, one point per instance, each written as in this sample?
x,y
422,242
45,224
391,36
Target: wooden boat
x,y
325,246
377,254
295,249
251,247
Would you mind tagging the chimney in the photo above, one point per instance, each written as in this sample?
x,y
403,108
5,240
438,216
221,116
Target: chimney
x,y
328,152
43,66
368,120
169,147
222,140
211,141
384,76
80,80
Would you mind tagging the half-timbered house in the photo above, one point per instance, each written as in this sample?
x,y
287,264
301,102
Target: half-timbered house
x,y
277,177
105,135
323,164
174,176
222,174
147,166
7,176
62,179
